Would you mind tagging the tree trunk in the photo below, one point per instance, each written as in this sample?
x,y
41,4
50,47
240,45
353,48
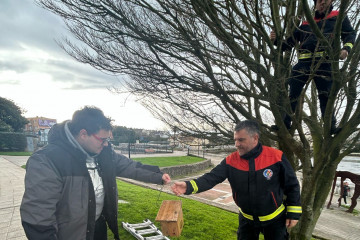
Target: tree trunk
x,y
202,66
313,200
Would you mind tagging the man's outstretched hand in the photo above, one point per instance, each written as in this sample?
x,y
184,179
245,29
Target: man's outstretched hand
x,y
291,223
179,188
343,54
166,178
272,35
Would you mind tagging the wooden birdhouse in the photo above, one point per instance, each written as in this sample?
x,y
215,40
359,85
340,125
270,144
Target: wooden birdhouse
x,y
171,218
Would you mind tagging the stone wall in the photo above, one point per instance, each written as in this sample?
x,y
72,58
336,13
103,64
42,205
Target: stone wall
x,y
182,170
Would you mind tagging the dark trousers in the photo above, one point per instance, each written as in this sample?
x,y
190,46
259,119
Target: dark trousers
x,y
300,75
344,196
100,229
248,230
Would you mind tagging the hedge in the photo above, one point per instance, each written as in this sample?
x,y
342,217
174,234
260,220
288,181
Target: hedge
x,y
12,141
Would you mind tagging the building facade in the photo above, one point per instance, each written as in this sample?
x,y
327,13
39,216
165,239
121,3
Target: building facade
x,y
37,124
40,126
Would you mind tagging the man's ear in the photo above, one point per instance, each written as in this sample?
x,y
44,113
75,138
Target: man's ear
x,y
256,136
83,133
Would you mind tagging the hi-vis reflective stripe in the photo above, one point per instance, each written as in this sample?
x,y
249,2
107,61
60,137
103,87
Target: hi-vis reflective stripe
x,y
267,217
246,215
348,45
294,209
272,215
195,187
310,55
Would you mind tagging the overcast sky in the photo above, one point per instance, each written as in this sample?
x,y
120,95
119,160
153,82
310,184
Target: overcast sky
x,y
44,81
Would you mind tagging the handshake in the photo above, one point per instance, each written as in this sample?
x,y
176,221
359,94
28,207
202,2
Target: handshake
x,y
178,188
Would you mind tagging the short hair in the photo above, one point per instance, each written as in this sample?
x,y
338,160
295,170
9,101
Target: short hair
x,y
315,1
90,118
251,127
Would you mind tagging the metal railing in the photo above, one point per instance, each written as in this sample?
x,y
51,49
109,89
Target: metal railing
x,y
202,150
143,148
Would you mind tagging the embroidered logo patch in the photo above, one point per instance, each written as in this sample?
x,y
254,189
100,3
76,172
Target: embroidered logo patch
x,y
268,173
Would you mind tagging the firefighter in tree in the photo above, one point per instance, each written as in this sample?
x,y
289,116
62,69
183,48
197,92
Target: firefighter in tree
x,y
313,61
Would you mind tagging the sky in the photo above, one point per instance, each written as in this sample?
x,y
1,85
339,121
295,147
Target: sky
x,y
40,78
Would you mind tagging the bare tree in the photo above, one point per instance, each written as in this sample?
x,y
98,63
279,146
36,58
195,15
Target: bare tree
x,y
203,65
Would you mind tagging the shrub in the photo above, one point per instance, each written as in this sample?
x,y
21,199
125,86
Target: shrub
x,y
12,141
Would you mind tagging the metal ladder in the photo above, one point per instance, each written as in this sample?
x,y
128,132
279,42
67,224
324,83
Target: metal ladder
x,y
145,228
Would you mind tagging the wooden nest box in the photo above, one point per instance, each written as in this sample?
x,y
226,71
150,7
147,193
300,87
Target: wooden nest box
x,y
171,218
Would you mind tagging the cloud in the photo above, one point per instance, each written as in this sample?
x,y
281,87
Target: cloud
x,y
82,76
28,44
24,22
42,79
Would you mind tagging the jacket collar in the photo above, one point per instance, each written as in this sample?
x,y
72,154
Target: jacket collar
x,y
76,144
253,153
57,137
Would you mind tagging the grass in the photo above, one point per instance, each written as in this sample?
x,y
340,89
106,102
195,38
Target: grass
x,y
201,221
156,161
168,161
355,212
16,153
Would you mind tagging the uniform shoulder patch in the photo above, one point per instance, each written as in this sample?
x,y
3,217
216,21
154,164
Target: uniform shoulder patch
x,y
268,173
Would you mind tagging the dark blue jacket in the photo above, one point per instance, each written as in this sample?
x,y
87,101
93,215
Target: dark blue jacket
x,y
259,180
308,40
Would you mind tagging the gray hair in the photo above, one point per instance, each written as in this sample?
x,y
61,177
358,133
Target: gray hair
x,y
251,127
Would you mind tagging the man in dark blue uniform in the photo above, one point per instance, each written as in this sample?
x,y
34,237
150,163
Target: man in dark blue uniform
x,y
313,60
259,177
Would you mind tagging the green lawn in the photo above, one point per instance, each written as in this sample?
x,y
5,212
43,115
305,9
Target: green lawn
x,y
355,212
156,161
201,221
16,153
168,161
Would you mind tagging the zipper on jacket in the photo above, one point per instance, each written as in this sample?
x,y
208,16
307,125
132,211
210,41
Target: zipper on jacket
x,y
272,194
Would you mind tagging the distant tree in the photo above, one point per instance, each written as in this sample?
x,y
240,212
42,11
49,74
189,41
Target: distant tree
x,y
5,127
11,119
123,135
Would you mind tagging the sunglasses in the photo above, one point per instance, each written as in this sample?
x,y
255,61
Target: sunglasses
x,y
102,140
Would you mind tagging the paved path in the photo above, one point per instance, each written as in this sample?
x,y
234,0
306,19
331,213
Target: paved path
x,y
333,224
11,192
